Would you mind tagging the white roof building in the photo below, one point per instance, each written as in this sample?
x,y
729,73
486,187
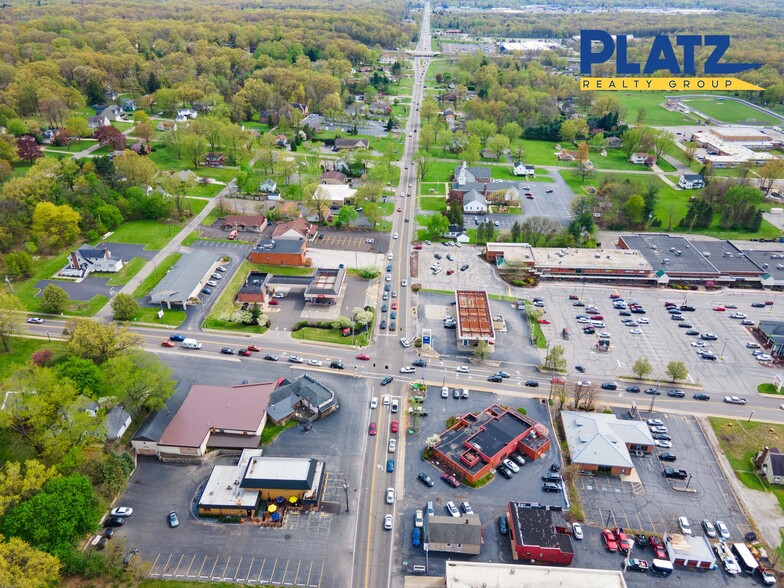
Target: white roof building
x,y
338,194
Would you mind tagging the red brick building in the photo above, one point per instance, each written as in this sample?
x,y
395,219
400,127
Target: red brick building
x,y
286,252
478,442
539,534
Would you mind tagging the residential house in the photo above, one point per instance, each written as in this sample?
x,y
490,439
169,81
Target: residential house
x,y
301,108
47,137
449,97
186,175
455,534
488,153
464,174
129,105
246,223
165,125
98,121
110,95
523,169
614,143
458,233
640,158
141,147
691,181
268,186
269,117
474,203
90,259
85,404
351,144
280,140
771,462
113,113
333,177
186,114
297,228
450,121
380,107
116,423
213,159
566,155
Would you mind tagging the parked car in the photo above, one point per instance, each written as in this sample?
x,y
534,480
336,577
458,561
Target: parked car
x,y
426,480
710,530
609,540
504,471
577,531
466,507
551,487
624,544
636,565
684,525
452,509
722,530
503,525
450,479
667,456
676,474
173,520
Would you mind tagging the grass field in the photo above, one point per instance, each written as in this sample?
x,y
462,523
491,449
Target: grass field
x,y
281,271
165,159
171,317
157,275
728,111
152,234
505,173
655,113
434,203
330,336
124,276
740,441
225,304
439,171
22,350
205,190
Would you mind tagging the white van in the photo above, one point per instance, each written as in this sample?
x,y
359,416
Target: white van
x,y
191,344
597,324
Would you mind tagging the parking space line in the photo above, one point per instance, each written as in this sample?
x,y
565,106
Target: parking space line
x,y
237,571
177,569
188,571
296,576
155,563
223,575
212,572
204,561
321,575
310,570
263,563
166,566
250,569
275,565
285,570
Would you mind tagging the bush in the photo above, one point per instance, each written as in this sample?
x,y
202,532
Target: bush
x,y
416,287
522,411
451,422
42,357
233,519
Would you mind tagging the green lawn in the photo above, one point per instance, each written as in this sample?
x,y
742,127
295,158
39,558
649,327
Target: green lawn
x,y
165,159
386,208
330,336
22,350
124,276
741,440
195,205
279,270
205,190
439,171
505,173
152,234
728,111
171,317
665,165
539,152
157,275
222,174
655,113
434,203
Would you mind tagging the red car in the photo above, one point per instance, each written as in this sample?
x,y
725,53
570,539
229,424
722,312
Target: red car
x,y
167,343
245,352
393,426
658,547
615,295
768,303
363,356
273,302
417,247
372,429
558,381
623,541
543,322
450,272
529,196
253,348
609,540
574,297
399,209
719,308
394,306
450,479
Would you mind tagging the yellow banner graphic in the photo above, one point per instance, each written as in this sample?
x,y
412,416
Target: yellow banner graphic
x,y
666,84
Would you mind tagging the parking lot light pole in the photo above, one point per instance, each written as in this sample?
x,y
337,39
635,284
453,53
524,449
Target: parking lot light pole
x,y
345,489
724,347
688,482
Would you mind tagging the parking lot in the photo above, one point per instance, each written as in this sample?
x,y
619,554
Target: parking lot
x,y
661,340
313,548
489,502
354,240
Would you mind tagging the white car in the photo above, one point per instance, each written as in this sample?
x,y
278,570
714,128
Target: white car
x,y
462,369
583,321
388,522
664,444
635,331
722,530
392,446
738,315
577,531
450,506
683,523
390,256
467,507
386,400
314,362
419,519
395,236
643,321
390,495
404,283
655,422
212,283
511,465
698,344
122,511
748,345
374,402
764,357
404,342
408,370
604,335
35,320
445,392
584,382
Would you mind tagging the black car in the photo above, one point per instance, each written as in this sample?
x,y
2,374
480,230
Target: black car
x,y
555,468
758,305
419,363
676,317
652,391
701,396
386,380
337,365
384,308
270,357
504,471
425,479
667,456
114,522
609,386
495,378
641,540
437,256
503,374
578,304
551,487
708,356
677,474
673,310
632,388
684,325
693,333
661,437
638,310
687,308
532,383
464,267
624,313
589,330
228,351
580,369
676,393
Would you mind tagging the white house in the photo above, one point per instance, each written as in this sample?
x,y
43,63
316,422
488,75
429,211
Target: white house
x,y
186,114
116,423
95,122
639,158
91,259
474,202
522,169
337,195
269,186
691,181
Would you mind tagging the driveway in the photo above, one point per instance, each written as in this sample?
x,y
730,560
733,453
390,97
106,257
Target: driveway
x,y
127,251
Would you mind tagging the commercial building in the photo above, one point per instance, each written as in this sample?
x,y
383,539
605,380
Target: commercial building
x,y
297,228
773,332
183,282
478,442
733,146
240,489
325,286
281,252
474,320
336,195
465,574
249,223
254,288
454,535
539,534
689,551
305,399
230,417
601,442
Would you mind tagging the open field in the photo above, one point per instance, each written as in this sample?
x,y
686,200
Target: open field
x,y
655,114
728,111
152,234
124,276
22,350
330,336
157,275
434,203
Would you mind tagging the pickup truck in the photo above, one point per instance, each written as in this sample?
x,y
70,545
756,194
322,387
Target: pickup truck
x,y
673,473
734,400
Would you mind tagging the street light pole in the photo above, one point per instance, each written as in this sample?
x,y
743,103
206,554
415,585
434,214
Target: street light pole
x,y
345,489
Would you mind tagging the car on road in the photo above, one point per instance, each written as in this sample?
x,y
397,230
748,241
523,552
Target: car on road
x,y
228,351
462,369
167,343
452,509
701,396
609,386
363,356
667,456
532,383
609,540
652,391
419,362
450,479
244,352
388,522
632,389
390,465
173,520
177,338
270,357
734,400
676,393
337,365
404,342
315,362
426,480
35,320
295,359
372,429
408,370
494,378
390,496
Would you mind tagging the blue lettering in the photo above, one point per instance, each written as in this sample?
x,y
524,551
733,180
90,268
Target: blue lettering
x,y
662,56
712,65
688,42
622,65
587,57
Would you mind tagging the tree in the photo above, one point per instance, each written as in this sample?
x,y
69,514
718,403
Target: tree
x,y
342,322
42,357
100,342
573,128
582,171
19,264
499,144
11,319
125,307
193,148
769,172
79,126
642,367
55,518
428,109
317,200
139,381
19,482
631,140
361,316
512,131
582,152
114,471
136,169
539,231
144,130
24,566
54,299
109,135
436,225
482,350
634,209
677,370
86,377
54,227
555,360
427,138
481,129
691,153
28,149
579,393
8,150
346,215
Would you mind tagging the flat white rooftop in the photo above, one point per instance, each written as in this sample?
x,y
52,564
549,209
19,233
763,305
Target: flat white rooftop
x,y
471,575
